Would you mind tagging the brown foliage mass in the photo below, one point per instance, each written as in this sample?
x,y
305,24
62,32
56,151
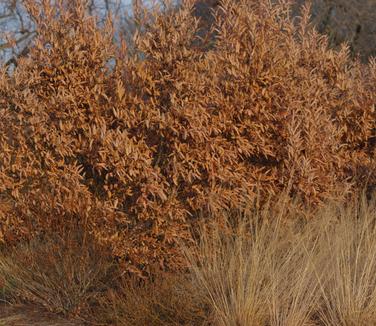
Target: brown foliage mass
x,y
134,149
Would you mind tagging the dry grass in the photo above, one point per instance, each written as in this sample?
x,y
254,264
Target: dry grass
x,y
348,247
263,267
316,272
258,272
171,300
65,275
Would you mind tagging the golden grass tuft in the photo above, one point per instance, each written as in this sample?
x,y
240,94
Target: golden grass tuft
x,y
66,276
319,271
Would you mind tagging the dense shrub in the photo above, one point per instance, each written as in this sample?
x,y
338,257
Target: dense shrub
x,y
135,147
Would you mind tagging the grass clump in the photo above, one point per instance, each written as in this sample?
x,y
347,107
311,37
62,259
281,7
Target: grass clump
x,y
258,271
348,249
317,271
65,275
168,300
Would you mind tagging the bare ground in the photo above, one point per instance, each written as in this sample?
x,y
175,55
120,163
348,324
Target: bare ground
x,y
28,315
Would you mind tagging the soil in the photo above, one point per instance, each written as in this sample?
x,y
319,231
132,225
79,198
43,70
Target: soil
x,y
28,315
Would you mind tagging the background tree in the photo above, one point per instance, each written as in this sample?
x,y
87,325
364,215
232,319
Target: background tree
x,y
353,21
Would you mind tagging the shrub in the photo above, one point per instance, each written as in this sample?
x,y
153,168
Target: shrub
x,y
134,147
